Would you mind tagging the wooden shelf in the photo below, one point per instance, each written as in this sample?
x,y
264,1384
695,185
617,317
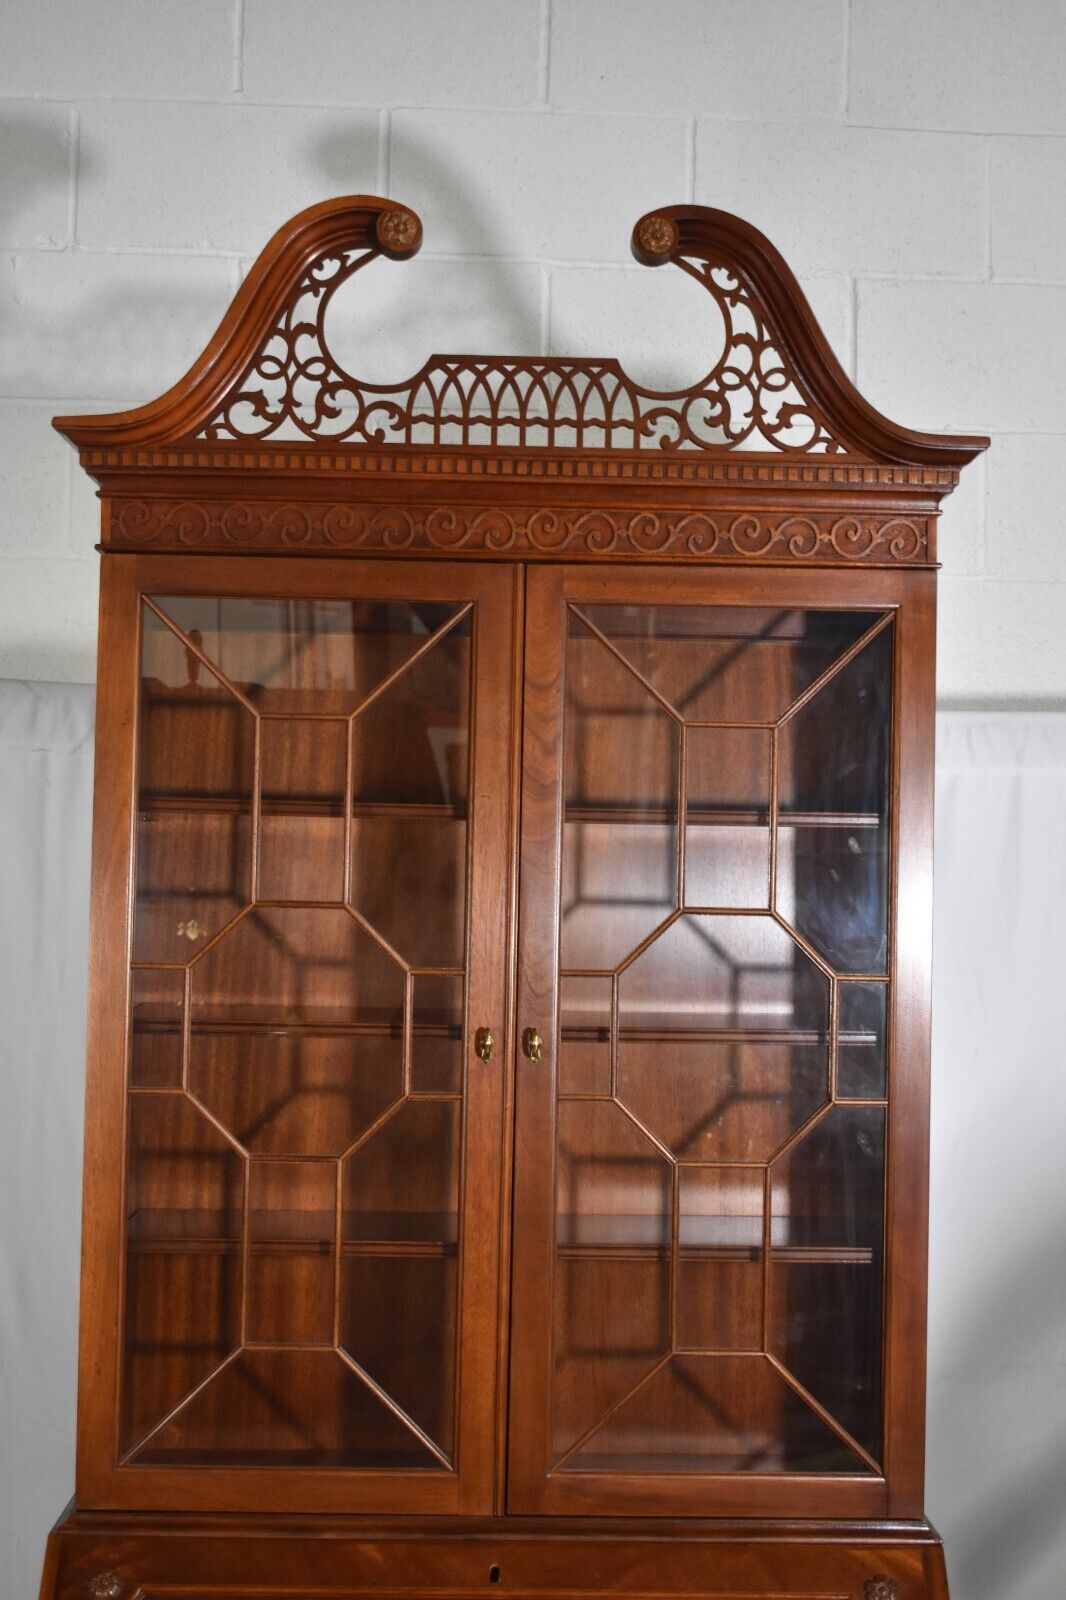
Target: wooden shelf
x,y
158,803
312,1028
615,1236
204,1232
602,1236
593,1034
719,816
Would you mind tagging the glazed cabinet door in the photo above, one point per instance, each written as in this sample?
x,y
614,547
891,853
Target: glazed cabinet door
x,y
710,837
304,775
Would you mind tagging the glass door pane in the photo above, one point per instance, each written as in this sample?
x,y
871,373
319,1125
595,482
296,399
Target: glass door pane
x,y
296,1088
718,1237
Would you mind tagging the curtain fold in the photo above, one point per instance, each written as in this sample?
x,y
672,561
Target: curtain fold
x,y
46,753
996,1483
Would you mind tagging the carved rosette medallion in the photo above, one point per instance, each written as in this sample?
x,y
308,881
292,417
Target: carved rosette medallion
x,y
658,236
880,1587
398,229
106,1586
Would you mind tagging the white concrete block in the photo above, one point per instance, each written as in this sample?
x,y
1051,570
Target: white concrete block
x,y
961,534
662,327
384,52
385,323
764,58
1028,191
970,64
846,199
34,482
1026,510
830,300
35,176
665,330
1001,642
125,48
534,184
106,326
214,177
963,356
48,619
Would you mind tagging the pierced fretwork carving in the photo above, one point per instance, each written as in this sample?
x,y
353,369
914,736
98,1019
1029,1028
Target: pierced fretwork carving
x,y
295,388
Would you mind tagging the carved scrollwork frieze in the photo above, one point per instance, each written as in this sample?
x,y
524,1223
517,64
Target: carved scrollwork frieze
x,y
875,539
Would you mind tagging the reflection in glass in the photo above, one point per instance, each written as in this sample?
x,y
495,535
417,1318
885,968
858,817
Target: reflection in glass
x,y
719,1233
612,1273
826,1276
157,1009
834,775
722,1413
733,664
723,1037
292,1209
437,1034
398,1324
196,772
303,768
861,1041
584,1054
184,1200
727,817
289,657
410,759
295,1087
619,869
286,1408
720,1264
401,1224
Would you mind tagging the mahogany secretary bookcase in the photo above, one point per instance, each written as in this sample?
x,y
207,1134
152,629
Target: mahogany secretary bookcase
x,y
507,1076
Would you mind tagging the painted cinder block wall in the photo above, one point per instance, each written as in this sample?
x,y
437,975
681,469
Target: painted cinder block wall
x,y
907,156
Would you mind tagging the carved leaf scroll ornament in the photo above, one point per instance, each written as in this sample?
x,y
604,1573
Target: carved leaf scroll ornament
x,y
888,538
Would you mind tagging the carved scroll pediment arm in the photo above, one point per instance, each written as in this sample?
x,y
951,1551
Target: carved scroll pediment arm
x,y
736,263
349,232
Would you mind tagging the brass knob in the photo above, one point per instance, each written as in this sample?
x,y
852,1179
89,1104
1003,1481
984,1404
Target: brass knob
x,y
532,1044
484,1043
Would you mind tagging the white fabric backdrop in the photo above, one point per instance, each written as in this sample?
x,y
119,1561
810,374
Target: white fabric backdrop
x,y
46,749
997,1395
